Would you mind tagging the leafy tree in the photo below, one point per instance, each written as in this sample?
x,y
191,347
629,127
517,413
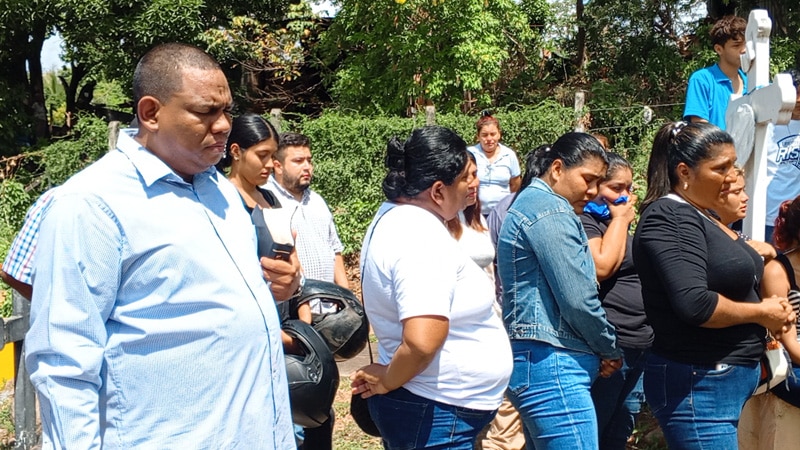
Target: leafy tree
x,y
24,26
406,53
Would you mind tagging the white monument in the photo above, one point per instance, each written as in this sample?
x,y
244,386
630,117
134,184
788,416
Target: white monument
x,y
747,117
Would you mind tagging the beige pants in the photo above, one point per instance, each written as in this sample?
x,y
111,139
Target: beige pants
x,y
505,431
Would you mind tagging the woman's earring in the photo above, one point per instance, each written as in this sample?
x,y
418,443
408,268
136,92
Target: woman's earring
x,y
685,186
236,158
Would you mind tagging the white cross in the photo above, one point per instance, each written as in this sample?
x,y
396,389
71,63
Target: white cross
x,y
747,117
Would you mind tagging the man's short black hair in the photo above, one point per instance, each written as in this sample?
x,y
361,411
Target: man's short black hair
x,y
159,72
291,140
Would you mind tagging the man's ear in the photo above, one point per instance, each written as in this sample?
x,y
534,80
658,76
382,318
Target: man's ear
x,y
147,111
718,49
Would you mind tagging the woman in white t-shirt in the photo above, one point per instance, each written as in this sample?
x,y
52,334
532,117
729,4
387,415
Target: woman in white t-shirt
x,y
470,230
444,357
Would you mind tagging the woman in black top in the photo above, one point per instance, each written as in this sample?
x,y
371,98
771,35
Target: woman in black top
x,y
618,398
700,289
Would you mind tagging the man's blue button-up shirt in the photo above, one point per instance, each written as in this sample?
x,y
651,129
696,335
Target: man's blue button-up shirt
x,y
151,323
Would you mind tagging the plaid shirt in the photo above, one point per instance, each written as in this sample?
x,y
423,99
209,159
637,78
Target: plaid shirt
x,y
317,240
19,260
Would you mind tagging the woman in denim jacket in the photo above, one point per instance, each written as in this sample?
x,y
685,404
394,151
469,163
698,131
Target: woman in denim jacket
x,y
559,334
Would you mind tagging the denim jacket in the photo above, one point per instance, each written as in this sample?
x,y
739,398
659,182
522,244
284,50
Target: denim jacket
x,y
548,275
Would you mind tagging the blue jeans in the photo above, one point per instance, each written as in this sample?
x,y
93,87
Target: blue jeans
x,y
550,388
789,390
407,421
698,406
618,400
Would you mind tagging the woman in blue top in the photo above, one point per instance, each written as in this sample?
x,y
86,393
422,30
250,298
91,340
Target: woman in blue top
x,y
560,337
498,166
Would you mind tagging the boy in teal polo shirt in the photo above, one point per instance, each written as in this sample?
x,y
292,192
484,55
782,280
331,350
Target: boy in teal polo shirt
x,y
710,89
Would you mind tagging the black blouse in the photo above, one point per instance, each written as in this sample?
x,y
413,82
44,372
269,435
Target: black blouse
x,y
684,261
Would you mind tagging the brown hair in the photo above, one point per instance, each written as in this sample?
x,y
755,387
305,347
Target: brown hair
x,y
472,214
787,225
487,119
727,28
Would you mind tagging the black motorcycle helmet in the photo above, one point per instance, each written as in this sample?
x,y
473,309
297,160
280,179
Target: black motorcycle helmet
x,y
345,331
313,376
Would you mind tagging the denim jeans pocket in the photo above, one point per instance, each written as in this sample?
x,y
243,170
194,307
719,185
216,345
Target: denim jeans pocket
x,y
400,421
655,386
520,375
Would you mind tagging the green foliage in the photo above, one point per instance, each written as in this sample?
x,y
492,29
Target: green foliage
x,y
349,153
63,158
111,94
413,52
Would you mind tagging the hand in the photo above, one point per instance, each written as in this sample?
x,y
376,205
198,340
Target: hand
x,y
609,366
625,211
284,275
765,250
776,315
290,344
368,380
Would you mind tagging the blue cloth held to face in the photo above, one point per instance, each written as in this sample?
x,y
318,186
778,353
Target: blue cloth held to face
x,y
601,210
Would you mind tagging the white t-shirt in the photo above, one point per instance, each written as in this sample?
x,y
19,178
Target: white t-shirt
x,y
411,267
783,166
477,245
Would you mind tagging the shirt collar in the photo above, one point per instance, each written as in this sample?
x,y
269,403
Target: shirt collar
x,y
280,190
720,77
150,167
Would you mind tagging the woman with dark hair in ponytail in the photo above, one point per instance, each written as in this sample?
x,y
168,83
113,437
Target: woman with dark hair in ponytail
x,y
444,359
700,284
560,338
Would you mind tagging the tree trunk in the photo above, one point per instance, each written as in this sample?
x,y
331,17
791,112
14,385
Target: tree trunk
x,y
36,83
71,90
580,53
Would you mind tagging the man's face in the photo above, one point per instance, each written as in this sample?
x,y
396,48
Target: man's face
x,y
729,53
296,170
193,124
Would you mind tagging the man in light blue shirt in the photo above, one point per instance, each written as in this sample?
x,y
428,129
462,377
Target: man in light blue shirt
x,y
152,325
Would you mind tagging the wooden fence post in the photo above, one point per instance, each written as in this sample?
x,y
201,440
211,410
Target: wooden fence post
x,y
276,118
14,329
430,115
580,116
113,134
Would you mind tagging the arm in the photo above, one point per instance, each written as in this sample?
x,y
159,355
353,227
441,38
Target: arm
x,y
698,98
75,289
608,250
572,280
339,272
25,289
514,183
423,337
674,240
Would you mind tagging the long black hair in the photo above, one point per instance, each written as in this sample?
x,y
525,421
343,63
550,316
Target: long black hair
x,y
573,149
675,143
247,130
430,154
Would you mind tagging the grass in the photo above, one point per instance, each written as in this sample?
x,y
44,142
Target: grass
x,y
346,434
